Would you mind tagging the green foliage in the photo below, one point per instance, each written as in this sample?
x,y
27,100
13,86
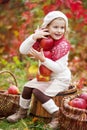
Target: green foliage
x,y
84,3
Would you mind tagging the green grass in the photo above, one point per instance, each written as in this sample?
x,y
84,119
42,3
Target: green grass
x,y
24,124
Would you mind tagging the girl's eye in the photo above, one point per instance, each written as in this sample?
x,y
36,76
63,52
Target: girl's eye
x,y
62,27
58,27
55,27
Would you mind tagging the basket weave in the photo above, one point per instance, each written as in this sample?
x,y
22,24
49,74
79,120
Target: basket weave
x,y
72,118
8,103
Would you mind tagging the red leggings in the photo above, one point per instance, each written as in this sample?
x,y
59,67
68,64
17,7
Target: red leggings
x,y
27,93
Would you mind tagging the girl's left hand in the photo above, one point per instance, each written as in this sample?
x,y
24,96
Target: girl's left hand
x,y
38,55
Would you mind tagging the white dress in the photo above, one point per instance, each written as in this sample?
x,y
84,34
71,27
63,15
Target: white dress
x,y
60,77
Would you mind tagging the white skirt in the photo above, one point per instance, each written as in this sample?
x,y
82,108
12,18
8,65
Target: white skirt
x,y
58,83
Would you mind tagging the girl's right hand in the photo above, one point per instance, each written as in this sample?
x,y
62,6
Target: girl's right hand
x,y
37,55
40,33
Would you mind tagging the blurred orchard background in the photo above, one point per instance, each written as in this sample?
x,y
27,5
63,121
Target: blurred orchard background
x,y
19,19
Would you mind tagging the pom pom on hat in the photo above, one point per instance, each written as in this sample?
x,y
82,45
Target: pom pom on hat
x,y
52,15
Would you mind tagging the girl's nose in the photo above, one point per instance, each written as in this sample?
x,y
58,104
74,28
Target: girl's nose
x,y
59,30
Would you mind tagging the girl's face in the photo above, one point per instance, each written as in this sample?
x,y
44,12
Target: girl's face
x,y
57,28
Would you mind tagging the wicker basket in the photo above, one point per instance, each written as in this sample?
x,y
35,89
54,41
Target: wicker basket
x,y
8,103
72,118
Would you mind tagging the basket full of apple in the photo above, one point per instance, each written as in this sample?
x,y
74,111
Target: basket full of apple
x,y
9,98
73,112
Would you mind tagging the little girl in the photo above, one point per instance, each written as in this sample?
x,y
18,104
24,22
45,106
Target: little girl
x,y
55,25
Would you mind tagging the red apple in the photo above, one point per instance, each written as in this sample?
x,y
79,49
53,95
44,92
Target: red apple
x,y
47,54
44,71
83,96
13,90
42,78
46,43
78,103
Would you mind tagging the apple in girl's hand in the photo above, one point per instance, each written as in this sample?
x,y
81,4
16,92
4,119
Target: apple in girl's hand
x,y
78,103
47,54
42,78
13,89
46,43
83,96
44,71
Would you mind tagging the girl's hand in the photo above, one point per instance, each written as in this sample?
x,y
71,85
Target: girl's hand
x,y
40,33
38,55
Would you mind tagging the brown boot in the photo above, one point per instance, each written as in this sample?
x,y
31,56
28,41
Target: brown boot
x,y
22,113
54,124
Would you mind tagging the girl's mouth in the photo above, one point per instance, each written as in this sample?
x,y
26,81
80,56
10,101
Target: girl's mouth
x,y
58,35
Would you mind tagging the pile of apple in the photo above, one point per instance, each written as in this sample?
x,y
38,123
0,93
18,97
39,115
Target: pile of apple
x,y
47,45
12,90
80,101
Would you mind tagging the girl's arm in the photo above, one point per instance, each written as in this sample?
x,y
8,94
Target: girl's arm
x,y
29,42
55,66
26,45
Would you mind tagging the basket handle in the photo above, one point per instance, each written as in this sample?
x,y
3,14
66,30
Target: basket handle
x,y
7,71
